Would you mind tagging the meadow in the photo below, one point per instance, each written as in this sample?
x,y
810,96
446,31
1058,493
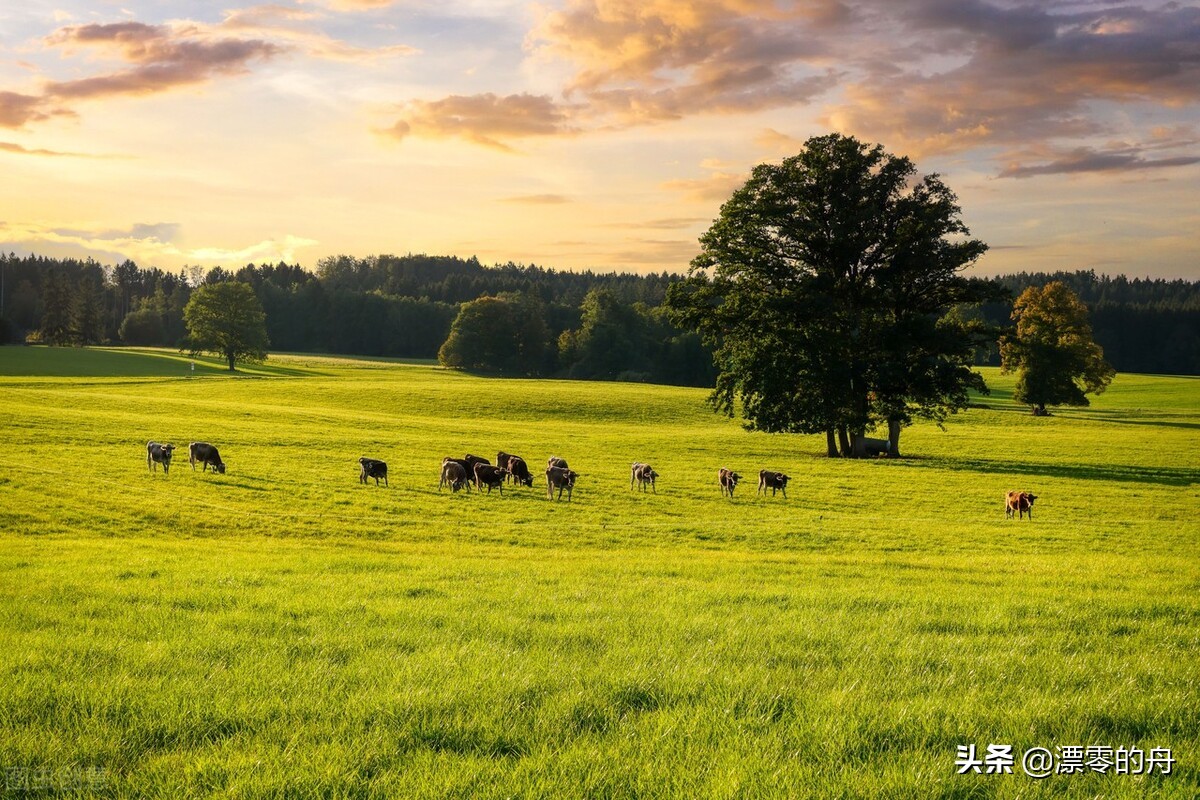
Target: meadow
x,y
283,631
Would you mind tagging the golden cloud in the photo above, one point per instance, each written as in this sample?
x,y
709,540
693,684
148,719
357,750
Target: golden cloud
x,y
485,119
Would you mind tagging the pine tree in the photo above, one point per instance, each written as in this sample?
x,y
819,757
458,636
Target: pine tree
x,y
56,310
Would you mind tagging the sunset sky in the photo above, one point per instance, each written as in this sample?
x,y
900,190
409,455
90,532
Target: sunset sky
x,y
579,134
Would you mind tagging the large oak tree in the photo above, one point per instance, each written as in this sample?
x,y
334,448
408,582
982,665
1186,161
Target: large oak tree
x,y
823,288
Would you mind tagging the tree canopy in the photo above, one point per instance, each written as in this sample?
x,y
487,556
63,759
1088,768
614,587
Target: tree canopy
x,y
1052,351
505,334
823,288
226,318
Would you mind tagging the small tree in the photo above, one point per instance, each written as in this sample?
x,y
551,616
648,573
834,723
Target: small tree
x,y
226,318
1052,351
144,327
502,334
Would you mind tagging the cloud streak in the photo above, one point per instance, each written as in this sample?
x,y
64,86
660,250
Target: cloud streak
x,y
485,119
1086,159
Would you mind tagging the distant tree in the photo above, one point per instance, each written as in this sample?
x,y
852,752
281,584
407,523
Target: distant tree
x,y
226,318
56,310
1052,350
88,313
501,334
823,287
143,327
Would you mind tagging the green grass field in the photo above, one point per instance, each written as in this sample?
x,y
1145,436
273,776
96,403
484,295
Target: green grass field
x,y
283,631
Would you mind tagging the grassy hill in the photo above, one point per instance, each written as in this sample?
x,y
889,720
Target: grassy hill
x,y
282,630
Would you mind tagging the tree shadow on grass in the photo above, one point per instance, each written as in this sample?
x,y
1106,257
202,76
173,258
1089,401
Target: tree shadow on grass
x,y
1122,473
1122,418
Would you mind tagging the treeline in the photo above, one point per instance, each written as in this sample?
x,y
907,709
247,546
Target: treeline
x,y
584,324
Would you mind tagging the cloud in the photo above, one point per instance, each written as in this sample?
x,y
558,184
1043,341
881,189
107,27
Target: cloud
x,y
716,187
147,243
295,27
964,73
18,109
12,147
1086,159
163,59
652,60
485,119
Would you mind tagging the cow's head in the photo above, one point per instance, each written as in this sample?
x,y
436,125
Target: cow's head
x,y
1031,498
220,467
167,449
783,479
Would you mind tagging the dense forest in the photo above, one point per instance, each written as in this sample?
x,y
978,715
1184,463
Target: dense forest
x,y
576,324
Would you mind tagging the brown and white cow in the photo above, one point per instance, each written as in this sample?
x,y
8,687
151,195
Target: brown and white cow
x,y
159,454
1019,503
372,468
775,481
728,479
643,475
468,472
555,461
207,455
560,478
454,475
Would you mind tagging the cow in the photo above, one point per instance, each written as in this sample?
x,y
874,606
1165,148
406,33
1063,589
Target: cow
x,y
372,468
560,478
518,470
159,454
454,475
875,447
728,479
555,461
502,459
469,461
489,476
773,481
468,471
643,475
207,455
1019,503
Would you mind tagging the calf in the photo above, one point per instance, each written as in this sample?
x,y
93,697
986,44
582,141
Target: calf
x,y
159,454
207,455
560,478
728,479
519,471
454,475
489,476
372,468
468,471
644,475
1019,503
773,481
555,461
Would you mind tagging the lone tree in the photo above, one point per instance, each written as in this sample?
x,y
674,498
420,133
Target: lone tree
x,y
824,288
226,318
1052,351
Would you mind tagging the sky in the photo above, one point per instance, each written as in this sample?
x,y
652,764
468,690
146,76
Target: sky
x,y
583,134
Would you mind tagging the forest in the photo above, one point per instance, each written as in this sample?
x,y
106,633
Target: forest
x,y
592,325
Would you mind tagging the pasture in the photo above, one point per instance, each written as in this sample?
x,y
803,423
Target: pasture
x,y
283,631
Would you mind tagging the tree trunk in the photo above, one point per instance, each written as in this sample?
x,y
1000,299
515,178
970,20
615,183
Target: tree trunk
x,y
893,438
831,444
231,358
1039,410
844,441
858,444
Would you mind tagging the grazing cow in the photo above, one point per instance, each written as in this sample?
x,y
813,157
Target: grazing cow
x,y
372,468
159,454
1019,503
519,471
643,475
502,459
555,461
560,478
468,471
773,481
875,447
454,474
207,455
489,476
728,480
